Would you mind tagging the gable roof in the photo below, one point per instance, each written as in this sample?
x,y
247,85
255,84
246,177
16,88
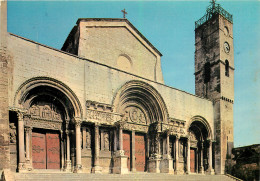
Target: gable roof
x,y
124,21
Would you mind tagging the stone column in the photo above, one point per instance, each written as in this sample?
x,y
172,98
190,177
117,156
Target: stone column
x,y
133,151
97,168
120,138
210,169
201,159
120,160
167,162
78,145
155,159
28,131
68,161
27,139
21,165
177,154
115,140
188,155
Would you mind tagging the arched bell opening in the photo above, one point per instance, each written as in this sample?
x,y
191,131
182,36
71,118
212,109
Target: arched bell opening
x,y
46,126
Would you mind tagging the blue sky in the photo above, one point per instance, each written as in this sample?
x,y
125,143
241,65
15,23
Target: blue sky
x,y
169,26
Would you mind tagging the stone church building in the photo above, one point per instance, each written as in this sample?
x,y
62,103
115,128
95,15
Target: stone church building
x,y
100,105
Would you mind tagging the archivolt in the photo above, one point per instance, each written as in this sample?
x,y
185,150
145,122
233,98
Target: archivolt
x,y
23,91
146,96
203,122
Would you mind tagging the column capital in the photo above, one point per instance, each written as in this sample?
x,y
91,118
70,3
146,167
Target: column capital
x,y
28,128
77,121
67,132
177,137
209,141
120,124
97,124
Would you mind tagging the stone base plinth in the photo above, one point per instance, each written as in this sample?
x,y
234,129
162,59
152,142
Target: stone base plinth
x,y
96,169
211,171
22,167
167,166
67,166
154,165
28,165
120,163
201,170
78,169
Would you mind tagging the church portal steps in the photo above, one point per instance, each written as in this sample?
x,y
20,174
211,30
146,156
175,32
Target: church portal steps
x,y
113,177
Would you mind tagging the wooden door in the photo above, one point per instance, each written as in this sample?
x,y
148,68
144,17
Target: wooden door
x,y
127,147
38,150
45,150
192,160
139,153
53,150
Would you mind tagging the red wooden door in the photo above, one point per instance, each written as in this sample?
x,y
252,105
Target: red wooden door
x,y
192,160
126,147
53,150
38,150
139,153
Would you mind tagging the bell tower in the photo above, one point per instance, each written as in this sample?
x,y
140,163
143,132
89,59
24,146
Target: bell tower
x,y
214,76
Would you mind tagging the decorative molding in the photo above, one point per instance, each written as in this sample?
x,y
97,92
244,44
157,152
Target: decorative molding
x,y
99,106
102,117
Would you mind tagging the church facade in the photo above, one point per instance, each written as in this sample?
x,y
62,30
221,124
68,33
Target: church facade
x,y
100,105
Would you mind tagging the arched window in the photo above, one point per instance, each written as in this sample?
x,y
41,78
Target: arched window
x,y
207,71
227,68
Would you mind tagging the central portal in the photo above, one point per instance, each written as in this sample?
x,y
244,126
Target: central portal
x,y
45,150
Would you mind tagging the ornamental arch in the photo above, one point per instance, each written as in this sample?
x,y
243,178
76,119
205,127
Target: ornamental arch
x,y
143,112
49,115
200,145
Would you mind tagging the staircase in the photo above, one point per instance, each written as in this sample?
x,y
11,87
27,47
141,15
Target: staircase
x,y
114,177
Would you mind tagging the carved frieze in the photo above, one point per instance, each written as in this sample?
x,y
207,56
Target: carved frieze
x,y
40,123
99,106
102,117
173,129
45,111
135,127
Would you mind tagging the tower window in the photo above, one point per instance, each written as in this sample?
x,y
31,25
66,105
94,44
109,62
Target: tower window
x,y
227,68
207,72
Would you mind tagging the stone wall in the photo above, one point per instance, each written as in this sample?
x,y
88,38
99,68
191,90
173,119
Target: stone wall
x,y
99,82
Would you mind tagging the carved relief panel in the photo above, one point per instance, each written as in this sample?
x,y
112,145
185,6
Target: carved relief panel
x,y
105,139
46,111
135,115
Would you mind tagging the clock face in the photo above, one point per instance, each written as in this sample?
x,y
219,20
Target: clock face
x,y
226,47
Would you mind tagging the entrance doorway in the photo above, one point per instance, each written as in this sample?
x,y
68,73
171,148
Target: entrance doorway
x,y
45,150
192,160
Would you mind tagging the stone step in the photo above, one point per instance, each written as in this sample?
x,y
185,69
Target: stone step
x,y
113,177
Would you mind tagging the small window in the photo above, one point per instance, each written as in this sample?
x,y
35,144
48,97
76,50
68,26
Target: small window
x,y
227,68
207,72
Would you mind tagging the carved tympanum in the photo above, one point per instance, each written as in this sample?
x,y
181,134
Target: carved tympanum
x,y
135,115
